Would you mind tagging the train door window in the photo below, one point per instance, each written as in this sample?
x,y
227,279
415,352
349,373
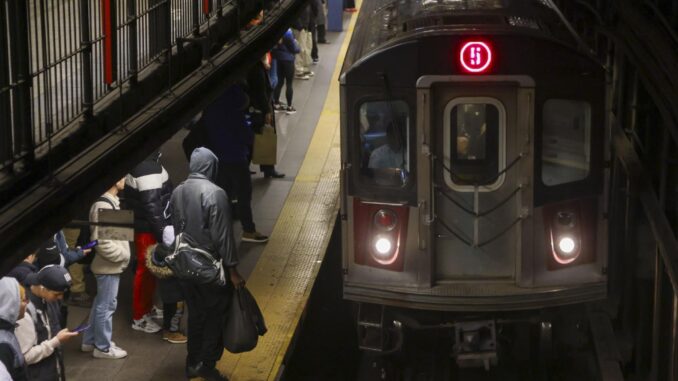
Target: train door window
x,y
385,142
566,141
474,130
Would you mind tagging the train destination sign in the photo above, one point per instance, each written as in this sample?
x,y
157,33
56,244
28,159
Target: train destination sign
x,y
475,56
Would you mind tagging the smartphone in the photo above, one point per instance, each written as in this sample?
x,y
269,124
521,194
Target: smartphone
x,y
81,328
90,245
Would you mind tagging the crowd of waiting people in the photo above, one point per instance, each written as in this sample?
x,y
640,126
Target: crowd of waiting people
x,y
35,295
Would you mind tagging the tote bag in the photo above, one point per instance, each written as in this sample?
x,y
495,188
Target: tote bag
x,y
244,324
265,147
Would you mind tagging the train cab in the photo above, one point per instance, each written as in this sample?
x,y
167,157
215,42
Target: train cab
x,y
473,178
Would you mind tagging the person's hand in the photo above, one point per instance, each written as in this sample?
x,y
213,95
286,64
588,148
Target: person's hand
x,y
268,119
30,258
86,251
236,279
65,335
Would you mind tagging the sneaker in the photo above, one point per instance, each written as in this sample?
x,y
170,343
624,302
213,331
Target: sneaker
x,y
302,76
290,110
316,60
279,107
79,299
156,313
91,347
111,354
309,73
174,337
255,237
146,324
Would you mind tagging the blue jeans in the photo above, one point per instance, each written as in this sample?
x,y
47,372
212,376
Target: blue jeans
x,y
101,317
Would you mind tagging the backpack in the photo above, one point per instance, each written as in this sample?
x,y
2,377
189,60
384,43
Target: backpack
x,y
85,235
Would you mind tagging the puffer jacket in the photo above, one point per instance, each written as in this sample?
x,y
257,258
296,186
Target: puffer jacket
x,y
201,209
147,192
112,256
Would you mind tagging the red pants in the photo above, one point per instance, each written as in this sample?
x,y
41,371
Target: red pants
x,y
144,281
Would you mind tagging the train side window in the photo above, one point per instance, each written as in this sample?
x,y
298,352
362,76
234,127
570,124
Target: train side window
x,y
474,149
384,142
566,141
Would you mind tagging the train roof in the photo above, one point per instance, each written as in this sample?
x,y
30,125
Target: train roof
x,y
384,21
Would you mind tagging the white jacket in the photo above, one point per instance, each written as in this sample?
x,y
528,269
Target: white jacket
x,y
25,333
112,256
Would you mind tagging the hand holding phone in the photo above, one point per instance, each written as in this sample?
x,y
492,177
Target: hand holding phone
x,y
90,245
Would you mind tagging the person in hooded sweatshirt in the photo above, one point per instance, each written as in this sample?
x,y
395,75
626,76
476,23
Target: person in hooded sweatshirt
x,y
200,209
13,301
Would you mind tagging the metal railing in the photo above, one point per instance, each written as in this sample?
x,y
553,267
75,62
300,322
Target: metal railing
x,y
66,55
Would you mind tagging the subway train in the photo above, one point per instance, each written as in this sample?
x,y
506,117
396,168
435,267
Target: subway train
x,y
473,184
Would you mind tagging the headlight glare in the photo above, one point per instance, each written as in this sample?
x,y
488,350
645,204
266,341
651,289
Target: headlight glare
x,y
383,246
566,245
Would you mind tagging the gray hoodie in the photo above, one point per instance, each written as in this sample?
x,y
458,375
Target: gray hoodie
x,y
201,209
10,304
10,300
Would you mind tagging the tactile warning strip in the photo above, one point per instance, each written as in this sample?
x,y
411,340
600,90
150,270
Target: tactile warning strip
x,y
284,275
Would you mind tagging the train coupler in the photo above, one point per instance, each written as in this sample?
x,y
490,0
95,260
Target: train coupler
x,y
475,344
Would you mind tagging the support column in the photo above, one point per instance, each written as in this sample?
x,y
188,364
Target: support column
x,y
335,15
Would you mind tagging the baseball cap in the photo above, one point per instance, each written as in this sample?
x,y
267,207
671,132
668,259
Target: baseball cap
x,y
52,277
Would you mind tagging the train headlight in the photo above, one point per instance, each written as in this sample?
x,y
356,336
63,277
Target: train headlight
x,y
567,249
383,246
384,250
571,230
566,245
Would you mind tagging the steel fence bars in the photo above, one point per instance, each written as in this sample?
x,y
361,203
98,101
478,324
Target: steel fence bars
x,y
21,145
5,89
86,82
54,28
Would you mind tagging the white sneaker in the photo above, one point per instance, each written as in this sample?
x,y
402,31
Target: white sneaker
x,y
146,324
156,313
112,353
90,347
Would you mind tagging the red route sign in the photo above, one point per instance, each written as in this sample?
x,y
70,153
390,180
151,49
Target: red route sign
x,y
475,56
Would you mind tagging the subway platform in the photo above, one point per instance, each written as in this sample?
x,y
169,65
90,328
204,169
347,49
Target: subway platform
x,y
297,211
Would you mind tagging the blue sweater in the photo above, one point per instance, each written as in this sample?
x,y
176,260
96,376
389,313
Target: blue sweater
x,y
286,50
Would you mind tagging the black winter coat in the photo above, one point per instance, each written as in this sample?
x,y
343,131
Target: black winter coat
x,y
147,192
201,209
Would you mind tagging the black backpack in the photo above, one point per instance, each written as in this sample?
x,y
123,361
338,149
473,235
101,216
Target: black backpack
x,y
86,234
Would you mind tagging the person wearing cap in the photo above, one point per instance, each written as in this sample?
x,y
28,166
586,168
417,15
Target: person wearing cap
x,y
13,301
39,332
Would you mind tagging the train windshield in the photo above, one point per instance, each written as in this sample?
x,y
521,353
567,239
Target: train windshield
x,y
566,155
384,138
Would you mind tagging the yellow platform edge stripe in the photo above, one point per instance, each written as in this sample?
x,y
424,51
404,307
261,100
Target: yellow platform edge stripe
x,y
286,270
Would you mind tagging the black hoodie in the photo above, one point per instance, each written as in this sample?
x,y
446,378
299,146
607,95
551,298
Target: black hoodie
x,y
201,209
